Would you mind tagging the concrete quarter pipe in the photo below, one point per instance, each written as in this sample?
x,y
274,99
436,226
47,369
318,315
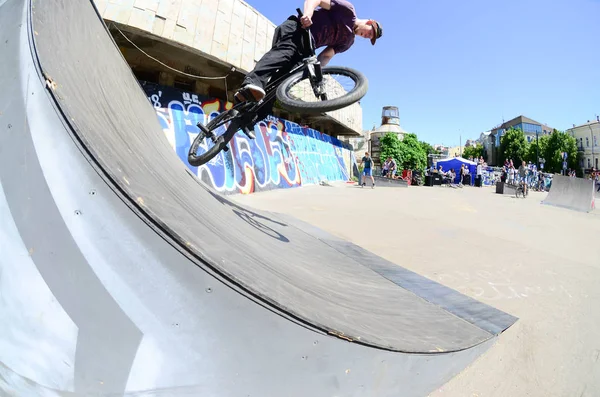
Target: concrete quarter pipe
x,y
121,273
573,193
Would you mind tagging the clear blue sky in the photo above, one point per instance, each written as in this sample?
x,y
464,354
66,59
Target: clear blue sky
x,y
457,67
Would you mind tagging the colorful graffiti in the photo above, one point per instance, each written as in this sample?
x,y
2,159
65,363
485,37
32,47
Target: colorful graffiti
x,y
283,155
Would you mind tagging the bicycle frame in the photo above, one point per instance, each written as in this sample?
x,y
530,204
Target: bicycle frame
x,y
249,111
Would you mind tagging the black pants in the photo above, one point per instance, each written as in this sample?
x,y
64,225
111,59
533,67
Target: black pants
x,y
286,52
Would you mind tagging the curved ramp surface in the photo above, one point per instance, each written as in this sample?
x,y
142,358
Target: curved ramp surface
x,y
122,272
572,193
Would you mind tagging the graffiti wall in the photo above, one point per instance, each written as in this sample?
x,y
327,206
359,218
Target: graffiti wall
x,y
283,155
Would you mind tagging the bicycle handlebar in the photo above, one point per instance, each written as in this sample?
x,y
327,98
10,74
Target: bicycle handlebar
x,y
309,39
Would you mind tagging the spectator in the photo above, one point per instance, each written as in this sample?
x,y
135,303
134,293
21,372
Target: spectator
x,y
511,173
452,176
461,174
368,170
386,167
480,172
392,168
466,171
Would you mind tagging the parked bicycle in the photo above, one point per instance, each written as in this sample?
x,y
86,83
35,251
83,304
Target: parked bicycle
x,y
306,89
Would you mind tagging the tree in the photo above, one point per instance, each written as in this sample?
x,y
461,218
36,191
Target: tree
x,y
533,152
428,148
557,143
413,155
473,151
513,146
408,153
391,147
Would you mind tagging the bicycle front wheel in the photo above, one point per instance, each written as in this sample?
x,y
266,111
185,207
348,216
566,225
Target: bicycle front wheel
x,y
200,154
342,87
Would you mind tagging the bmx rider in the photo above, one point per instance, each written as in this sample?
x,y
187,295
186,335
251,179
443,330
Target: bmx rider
x,y
334,26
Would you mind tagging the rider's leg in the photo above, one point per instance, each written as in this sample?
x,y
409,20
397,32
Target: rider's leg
x,y
286,52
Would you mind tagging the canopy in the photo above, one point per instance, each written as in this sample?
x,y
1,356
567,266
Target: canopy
x,y
455,163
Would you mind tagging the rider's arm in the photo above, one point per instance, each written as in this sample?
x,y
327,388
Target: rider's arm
x,y
326,55
310,5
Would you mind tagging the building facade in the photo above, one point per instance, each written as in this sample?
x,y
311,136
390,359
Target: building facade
x,y
220,40
588,140
531,128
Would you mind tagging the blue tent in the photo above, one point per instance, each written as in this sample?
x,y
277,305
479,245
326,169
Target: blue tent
x,y
455,163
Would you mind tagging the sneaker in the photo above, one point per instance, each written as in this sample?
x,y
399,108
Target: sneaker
x,y
249,92
373,186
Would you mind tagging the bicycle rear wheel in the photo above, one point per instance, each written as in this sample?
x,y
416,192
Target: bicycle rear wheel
x,y
223,134
342,87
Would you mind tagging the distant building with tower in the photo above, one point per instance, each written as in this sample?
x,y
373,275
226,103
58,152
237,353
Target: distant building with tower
x,y
390,123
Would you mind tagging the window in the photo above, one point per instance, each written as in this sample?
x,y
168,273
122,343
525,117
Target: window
x,y
184,85
587,142
589,163
147,76
527,127
595,141
596,163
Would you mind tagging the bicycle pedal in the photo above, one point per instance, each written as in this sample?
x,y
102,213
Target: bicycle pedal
x,y
203,129
225,149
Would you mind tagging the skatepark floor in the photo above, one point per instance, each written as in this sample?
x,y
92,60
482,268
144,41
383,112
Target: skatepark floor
x,y
537,262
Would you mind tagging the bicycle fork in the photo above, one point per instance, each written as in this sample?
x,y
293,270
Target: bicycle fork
x,y
315,76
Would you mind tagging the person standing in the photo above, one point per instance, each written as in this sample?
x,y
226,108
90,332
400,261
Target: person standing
x,y
367,161
392,168
479,172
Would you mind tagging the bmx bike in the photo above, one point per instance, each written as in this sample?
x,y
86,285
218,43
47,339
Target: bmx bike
x,y
520,190
306,88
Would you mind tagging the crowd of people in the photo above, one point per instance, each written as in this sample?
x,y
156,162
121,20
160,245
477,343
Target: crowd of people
x,y
526,173
449,177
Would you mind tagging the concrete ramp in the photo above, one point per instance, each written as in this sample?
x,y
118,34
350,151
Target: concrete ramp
x,y
572,193
389,182
123,274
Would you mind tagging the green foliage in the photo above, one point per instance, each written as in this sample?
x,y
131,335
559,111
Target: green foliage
x,y
473,151
391,146
513,146
428,148
415,157
532,150
408,153
555,144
